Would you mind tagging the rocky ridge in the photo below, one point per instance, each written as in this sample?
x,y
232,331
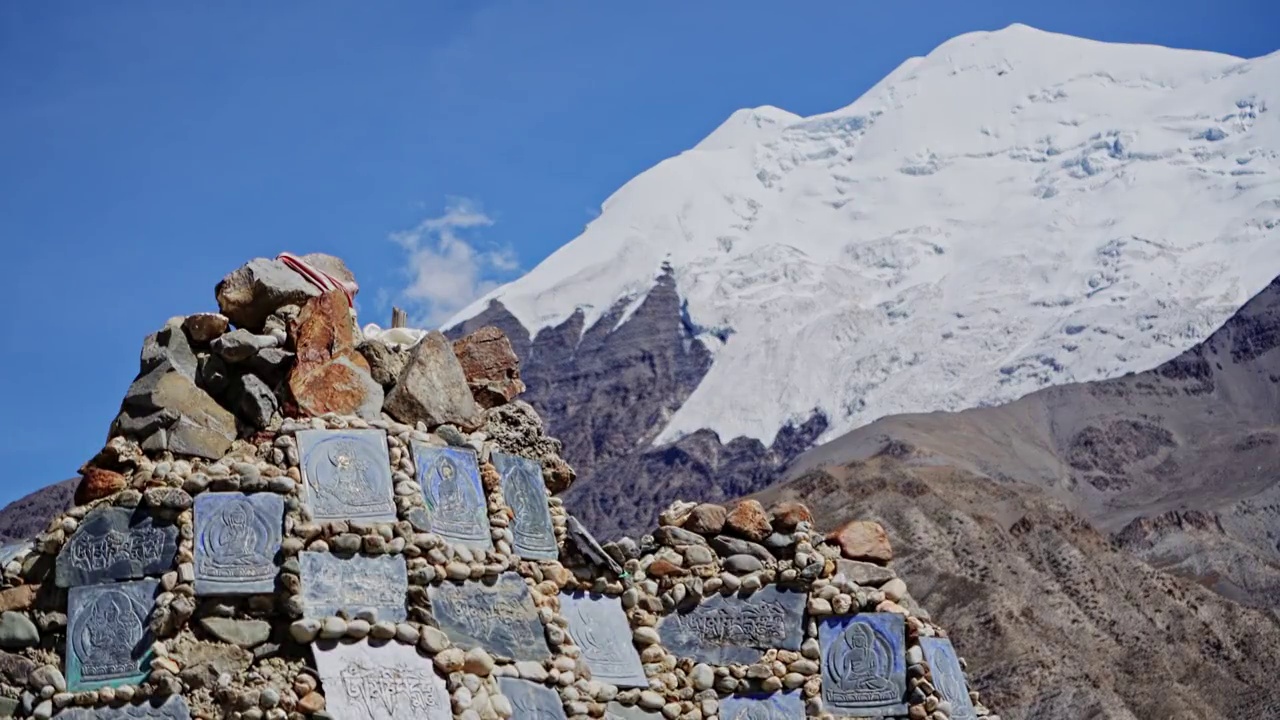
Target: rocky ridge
x,y
108,612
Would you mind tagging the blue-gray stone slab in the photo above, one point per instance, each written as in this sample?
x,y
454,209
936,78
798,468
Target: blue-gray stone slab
x,y
173,707
108,634
346,475
530,700
617,711
947,676
526,495
864,666
11,550
380,681
457,507
116,543
600,628
333,585
763,706
499,617
736,629
237,540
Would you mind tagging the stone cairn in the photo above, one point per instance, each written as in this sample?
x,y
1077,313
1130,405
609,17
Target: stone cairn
x,y
292,521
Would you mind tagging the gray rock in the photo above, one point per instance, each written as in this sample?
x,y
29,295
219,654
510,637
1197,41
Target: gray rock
x,y
255,402
180,416
17,670
371,407
169,498
17,631
590,547
271,364
865,573
726,545
243,633
385,364
170,345
239,345
432,388
677,536
213,376
249,294
8,707
778,542
699,555
743,564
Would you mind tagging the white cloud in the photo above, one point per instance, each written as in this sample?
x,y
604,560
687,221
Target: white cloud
x,y
447,271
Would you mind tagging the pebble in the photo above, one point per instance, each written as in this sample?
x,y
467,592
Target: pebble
x,y
433,640
332,628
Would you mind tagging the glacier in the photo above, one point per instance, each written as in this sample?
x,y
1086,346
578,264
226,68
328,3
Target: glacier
x,y
1014,210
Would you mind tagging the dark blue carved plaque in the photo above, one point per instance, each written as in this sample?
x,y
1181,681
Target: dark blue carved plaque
x,y
116,543
173,707
347,475
599,627
237,539
864,666
735,629
762,706
948,678
333,585
456,503
530,700
108,634
526,495
499,617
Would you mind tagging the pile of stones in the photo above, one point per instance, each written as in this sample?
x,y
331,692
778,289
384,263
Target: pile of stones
x,y
291,521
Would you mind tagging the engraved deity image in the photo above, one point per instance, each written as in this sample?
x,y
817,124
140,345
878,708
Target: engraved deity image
x,y
454,496
528,707
346,475
759,710
234,541
859,663
522,486
106,635
604,650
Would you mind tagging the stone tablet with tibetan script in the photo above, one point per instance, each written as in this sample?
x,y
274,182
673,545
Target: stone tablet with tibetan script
x,y
526,495
618,711
864,666
457,507
762,706
116,543
346,475
530,700
386,681
499,617
333,585
947,676
108,634
173,707
736,629
599,627
237,540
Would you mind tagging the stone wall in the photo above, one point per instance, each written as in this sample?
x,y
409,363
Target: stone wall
x,y
292,521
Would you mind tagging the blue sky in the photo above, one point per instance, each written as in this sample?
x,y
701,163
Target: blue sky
x,y
148,148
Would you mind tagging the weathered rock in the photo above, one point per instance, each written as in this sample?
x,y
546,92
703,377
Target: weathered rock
x,y
168,345
328,374
17,631
168,411
96,483
271,365
202,328
18,670
748,519
242,633
864,573
169,498
249,294
432,388
18,598
385,363
742,564
862,540
516,429
491,367
726,545
213,375
677,536
663,568
254,400
239,345
706,518
788,514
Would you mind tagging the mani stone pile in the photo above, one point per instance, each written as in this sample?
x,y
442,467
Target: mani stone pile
x,y
289,521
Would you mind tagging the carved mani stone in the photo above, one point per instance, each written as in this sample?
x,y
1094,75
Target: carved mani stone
x,y
173,707
735,629
947,676
116,543
108,634
333,585
762,706
617,711
599,627
237,539
499,617
864,671
526,495
380,682
530,700
457,506
347,475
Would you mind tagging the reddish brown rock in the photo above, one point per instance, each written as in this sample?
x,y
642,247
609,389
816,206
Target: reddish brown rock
x,y
328,374
204,327
662,567
249,294
788,514
862,540
18,598
96,483
707,519
491,366
311,703
749,520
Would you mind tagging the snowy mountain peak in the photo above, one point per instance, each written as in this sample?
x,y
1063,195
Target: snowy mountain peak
x,y
1016,209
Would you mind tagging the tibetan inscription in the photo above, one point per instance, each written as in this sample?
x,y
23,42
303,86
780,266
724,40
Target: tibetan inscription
x,y
347,475
116,543
499,617
761,706
598,625
864,671
735,629
237,539
456,502
947,676
174,707
333,585
526,495
530,700
108,634
617,711
380,682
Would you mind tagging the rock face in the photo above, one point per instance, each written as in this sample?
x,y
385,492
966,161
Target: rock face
x,y
490,365
329,376
166,408
432,388
248,295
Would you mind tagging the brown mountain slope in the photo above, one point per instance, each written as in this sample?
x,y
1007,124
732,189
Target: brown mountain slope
x,y
29,515
1061,623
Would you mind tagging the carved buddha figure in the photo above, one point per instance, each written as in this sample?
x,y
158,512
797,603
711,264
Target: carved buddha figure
x,y
859,662
455,497
599,645
108,635
234,537
527,503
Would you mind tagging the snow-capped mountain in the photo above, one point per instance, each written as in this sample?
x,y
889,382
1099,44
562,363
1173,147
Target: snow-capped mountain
x,y
1015,210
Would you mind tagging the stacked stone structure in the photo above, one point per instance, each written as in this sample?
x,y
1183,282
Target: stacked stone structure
x,y
289,521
